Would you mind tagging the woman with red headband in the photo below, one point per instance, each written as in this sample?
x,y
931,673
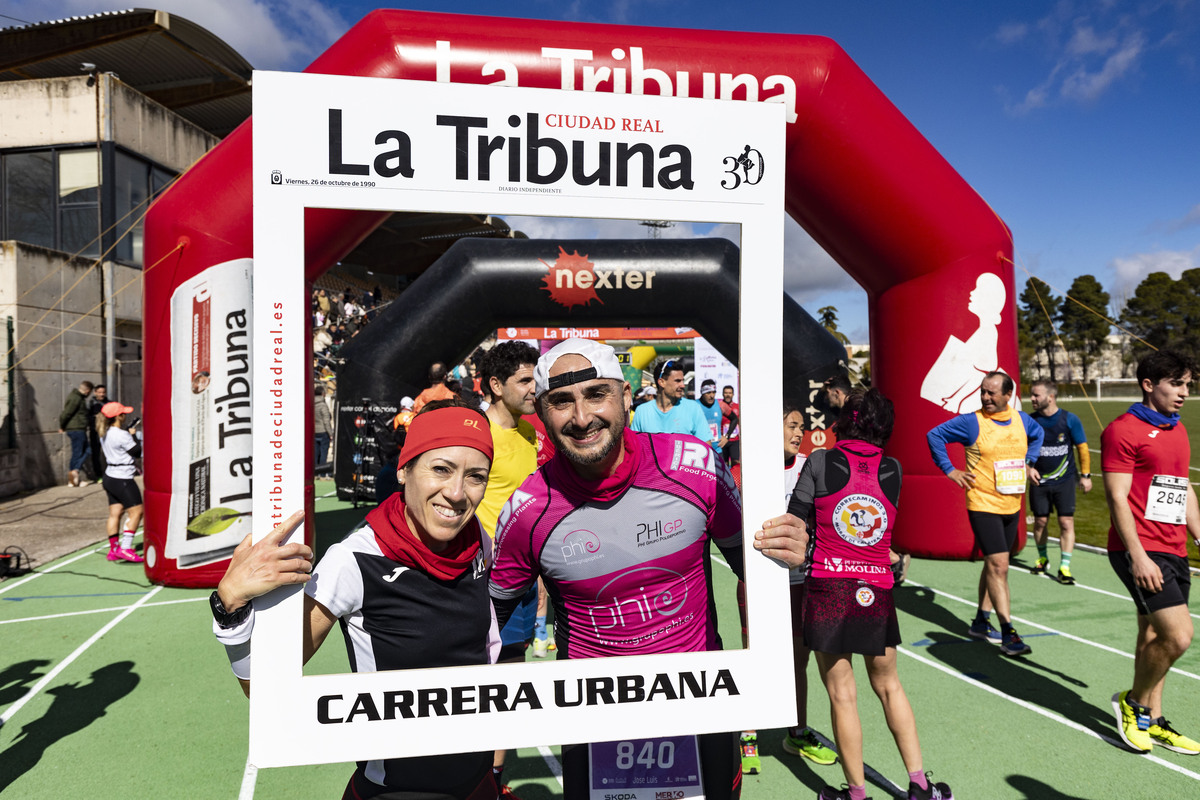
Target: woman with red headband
x,y
421,549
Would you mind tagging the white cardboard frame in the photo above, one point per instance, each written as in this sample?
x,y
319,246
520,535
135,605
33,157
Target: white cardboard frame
x,y
291,171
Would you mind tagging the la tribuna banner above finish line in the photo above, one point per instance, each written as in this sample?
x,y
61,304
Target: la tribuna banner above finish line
x,y
858,176
455,149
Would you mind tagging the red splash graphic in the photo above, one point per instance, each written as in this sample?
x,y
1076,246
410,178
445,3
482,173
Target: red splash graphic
x,y
571,280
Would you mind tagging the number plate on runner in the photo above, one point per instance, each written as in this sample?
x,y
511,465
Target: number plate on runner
x,y
1167,500
646,769
1010,476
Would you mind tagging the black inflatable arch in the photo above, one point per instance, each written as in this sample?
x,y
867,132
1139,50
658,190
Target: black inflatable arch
x,y
480,285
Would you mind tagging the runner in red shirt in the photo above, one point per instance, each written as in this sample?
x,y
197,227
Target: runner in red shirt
x,y
1146,458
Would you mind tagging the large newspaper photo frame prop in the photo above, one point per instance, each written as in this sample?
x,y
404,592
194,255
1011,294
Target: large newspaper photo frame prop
x,y
306,155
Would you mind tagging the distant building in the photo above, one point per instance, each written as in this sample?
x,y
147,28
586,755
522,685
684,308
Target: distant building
x,y
99,114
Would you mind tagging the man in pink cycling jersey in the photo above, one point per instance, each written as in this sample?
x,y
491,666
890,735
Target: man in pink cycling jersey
x,y
617,524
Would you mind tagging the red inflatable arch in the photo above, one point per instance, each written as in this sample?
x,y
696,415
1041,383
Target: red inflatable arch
x,y
934,259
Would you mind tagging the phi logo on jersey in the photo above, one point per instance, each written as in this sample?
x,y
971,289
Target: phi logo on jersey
x,y
860,519
580,543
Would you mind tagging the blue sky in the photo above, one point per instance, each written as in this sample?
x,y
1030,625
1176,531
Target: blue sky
x,y
1079,122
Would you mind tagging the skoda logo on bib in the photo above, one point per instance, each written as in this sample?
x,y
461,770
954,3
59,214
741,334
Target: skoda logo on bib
x,y
860,519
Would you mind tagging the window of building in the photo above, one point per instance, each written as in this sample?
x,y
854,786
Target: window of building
x,y
78,195
29,198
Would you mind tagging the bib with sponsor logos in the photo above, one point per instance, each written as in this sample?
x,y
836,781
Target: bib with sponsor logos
x,y
667,768
1167,500
854,525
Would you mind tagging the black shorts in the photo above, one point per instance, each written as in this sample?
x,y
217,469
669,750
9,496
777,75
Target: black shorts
x,y
1177,581
846,615
994,533
732,451
1059,497
122,492
720,768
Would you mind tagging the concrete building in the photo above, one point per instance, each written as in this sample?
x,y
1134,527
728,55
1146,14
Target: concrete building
x,y
98,115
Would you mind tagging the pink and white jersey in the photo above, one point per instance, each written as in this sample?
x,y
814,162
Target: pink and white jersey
x,y
627,574
854,524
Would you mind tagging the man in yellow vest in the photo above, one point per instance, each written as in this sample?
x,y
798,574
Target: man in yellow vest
x,y
1000,445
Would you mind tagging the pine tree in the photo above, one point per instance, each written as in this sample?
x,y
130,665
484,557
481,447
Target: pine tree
x,y
1156,311
1084,332
1039,308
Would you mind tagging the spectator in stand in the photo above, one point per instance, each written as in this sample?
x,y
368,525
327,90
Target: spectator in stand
x,y
322,428
323,302
335,307
73,422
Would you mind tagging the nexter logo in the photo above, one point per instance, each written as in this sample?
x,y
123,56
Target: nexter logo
x,y
573,280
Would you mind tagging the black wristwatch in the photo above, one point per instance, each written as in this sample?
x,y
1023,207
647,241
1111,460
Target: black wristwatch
x,y
227,619
1087,475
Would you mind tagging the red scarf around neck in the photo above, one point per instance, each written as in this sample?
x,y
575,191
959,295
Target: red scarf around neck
x,y
400,544
564,477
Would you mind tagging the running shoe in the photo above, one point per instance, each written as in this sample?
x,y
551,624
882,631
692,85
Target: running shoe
x,y
830,793
1013,646
751,763
935,791
984,632
1039,566
1133,723
541,647
125,554
808,745
1064,576
1163,734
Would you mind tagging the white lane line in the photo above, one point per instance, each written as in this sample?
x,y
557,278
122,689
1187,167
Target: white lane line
x,y
52,674
1033,624
100,610
249,780
1044,712
551,762
40,572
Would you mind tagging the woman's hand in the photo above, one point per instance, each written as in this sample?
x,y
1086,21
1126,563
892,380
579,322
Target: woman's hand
x,y
256,569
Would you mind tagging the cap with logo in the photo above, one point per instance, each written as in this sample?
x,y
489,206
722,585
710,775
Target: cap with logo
x,y
602,357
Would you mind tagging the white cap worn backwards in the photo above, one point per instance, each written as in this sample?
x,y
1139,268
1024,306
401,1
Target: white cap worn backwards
x,y
602,357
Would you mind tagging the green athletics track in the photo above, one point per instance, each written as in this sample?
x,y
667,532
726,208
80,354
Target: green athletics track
x,y
113,688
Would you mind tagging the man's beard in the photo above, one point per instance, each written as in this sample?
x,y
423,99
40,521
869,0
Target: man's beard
x,y
563,441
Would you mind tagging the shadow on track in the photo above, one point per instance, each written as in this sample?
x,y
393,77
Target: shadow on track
x,y
16,679
74,708
1020,678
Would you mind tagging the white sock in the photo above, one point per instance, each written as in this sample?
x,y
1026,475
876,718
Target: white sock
x,y
127,540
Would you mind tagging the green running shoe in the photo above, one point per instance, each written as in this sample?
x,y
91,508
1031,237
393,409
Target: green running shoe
x,y
1039,566
807,745
751,763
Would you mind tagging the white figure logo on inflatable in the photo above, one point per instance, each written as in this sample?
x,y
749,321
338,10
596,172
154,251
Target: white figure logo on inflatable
x,y
953,380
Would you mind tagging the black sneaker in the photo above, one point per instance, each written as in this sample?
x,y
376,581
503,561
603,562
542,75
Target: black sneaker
x,y
830,793
936,791
1012,646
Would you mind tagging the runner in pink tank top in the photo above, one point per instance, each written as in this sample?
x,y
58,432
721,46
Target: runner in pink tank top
x,y
849,495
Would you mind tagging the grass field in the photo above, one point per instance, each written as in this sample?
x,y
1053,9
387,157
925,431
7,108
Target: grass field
x,y
1091,511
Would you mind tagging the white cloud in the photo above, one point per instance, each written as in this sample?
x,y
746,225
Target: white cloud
x,y
1011,32
270,34
1086,59
1131,270
1188,220
808,271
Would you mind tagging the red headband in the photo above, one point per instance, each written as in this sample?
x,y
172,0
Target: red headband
x,y
446,427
